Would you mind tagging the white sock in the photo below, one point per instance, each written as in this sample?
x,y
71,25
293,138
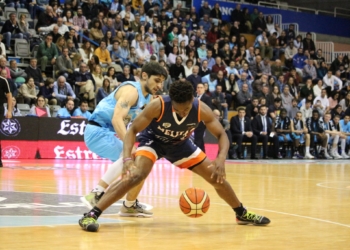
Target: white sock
x,y
129,203
342,145
98,189
324,149
113,172
307,150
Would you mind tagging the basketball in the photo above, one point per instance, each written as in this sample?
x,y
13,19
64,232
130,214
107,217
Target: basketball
x,y
194,202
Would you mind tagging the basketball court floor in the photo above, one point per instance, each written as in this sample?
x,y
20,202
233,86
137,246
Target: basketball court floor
x,y
307,201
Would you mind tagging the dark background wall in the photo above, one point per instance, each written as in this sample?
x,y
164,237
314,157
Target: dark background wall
x,y
327,5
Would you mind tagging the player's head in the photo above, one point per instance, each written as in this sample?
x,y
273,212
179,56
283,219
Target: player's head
x,y
346,118
283,113
154,75
315,114
181,95
327,117
298,116
84,106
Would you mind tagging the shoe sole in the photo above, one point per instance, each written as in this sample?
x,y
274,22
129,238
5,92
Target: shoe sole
x,y
250,223
86,202
138,215
90,228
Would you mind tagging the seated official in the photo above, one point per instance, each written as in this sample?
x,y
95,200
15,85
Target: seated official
x,y
300,135
82,111
66,111
63,91
241,131
40,108
262,128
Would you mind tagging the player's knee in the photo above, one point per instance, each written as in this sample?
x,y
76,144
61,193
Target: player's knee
x,y
137,177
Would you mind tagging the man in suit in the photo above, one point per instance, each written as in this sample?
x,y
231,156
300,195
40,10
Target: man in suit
x,y
241,131
199,131
262,127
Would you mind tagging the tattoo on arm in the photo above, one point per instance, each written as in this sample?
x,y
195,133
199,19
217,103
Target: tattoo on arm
x,y
124,104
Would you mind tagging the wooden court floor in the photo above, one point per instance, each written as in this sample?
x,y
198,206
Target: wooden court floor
x,y
307,201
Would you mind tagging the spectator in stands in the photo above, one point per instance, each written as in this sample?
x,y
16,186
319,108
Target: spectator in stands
x,y
309,70
345,102
307,89
205,23
3,63
266,94
24,26
15,110
96,33
82,111
321,102
90,10
17,74
86,51
265,66
245,79
243,96
126,75
66,111
289,54
33,71
84,84
47,54
259,25
336,63
241,131
275,108
157,45
262,127
255,67
103,54
46,18
80,21
290,32
11,83
333,100
204,10
332,82
299,61
177,70
143,52
59,26
277,69
64,64
11,30
2,49
63,91
111,76
219,66
194,78
258,84
308,44
41,104
56,37
47,92
27,91
262,43
306,110
103,91
114,53
219,102
252,108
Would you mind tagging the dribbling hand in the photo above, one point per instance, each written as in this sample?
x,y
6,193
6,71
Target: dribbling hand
x,y
218,166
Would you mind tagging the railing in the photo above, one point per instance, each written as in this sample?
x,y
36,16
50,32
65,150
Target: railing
x,y
285,26
313,35
303,9
343,53
327,49
277,18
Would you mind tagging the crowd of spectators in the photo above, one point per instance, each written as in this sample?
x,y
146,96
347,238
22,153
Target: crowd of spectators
x,y
280,84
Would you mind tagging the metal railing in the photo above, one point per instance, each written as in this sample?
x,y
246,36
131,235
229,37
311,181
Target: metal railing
x,y
327,49
304,9
277,18
343,53
313,35
285,26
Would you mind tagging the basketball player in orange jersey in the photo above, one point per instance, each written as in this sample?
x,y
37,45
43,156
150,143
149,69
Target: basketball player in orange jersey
x,y
166,124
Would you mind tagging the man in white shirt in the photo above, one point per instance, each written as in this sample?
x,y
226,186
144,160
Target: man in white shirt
x,y
332,81
183,36
142,51
306,110
127,10
62,28
321,102
232,70
262,43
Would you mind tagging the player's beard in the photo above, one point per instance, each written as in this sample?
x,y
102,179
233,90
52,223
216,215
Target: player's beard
x,y
148,90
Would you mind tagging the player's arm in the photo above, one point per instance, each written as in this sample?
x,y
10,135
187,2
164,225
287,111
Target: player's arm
x,y
214,126
152,111
127,97
9,105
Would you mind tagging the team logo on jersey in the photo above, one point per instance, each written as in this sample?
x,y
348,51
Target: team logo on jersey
x,y
10,127
166,125
11,152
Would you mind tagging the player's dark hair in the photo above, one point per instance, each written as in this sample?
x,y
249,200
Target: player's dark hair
x,y
181,92
154,69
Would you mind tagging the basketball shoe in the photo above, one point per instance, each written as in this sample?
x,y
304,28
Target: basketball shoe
x,y
136,210
252,218
91,199
89,222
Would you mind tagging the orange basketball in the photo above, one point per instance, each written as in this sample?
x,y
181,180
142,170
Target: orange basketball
x,y
194,202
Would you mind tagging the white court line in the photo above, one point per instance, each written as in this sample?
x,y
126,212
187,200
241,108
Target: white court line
x,y
320,185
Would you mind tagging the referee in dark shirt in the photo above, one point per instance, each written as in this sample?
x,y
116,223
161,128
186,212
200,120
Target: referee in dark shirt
x,y
5,97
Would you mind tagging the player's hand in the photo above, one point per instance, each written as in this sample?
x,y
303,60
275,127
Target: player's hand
x,y
128,168
218,166
9,115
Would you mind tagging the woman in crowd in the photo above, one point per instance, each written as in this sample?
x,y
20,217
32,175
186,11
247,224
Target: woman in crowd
x,y
47,92
172,56
182,51
40,103
318,88
213,35
96,31
333,100
15,110
242,42
76,60
104,90
2,48
132,55
191,46
188,67
276,93
86,51
24,26
298,42
151,35
322,70
136,42
148,45
98,77
232,85
293,90
215,50
108,39
112,77
93,62
307,89
345,103
71,48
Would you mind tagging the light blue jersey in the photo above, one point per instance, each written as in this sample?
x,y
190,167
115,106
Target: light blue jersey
x,y
104,111
85,114
102,139
346,129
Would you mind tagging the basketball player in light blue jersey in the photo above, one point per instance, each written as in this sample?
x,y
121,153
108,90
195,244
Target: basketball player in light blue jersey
x,y
106,130
166,125
345,128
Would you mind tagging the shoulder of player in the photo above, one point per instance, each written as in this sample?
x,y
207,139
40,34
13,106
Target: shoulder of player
x,y
127,92
154,108
205,112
